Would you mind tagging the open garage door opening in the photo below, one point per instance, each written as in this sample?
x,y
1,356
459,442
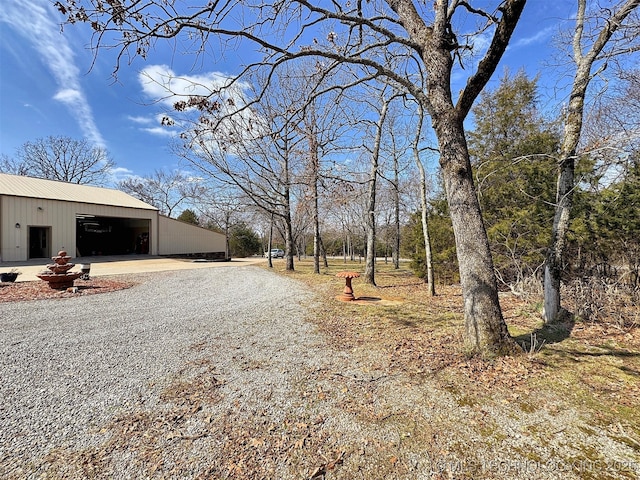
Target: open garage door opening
x,y
111,235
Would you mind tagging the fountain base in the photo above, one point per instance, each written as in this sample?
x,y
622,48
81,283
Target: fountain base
x,y
58,275
59,281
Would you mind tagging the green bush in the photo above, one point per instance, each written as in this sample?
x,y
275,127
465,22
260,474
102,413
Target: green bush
x,y
244,242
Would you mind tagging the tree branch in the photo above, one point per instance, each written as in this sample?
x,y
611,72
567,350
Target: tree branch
x,y
511,11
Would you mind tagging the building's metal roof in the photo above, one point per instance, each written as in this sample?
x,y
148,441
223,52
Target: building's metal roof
x,y
21,186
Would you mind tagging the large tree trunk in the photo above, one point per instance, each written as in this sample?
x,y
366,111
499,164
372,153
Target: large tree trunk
x,y
486,332
485,329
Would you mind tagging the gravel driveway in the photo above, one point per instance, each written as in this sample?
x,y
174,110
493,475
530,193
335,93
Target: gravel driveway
x,y
67,367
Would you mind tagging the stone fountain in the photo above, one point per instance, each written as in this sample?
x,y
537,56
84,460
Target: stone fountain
x,y
57,273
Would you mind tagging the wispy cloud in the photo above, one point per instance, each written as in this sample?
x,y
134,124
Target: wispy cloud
x,y
35,21
160,131
35,109
542,36
153,124
120,173
140,120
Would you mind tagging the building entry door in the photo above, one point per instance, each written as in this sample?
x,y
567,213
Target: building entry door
x,y
39,241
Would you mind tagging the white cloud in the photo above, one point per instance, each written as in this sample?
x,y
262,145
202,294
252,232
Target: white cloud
x,y
540,37
153,124
119,173
36,22
160,131
140,120
69,96
161,83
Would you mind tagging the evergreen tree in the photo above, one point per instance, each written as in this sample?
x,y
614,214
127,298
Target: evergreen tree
x,y
605,232
243,241
512,149
443,244
189,216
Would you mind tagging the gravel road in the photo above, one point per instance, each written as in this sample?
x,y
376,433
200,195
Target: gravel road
x,y
68,366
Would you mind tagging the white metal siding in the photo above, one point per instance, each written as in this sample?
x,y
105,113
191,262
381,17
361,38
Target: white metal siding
x,y
60,217
178,238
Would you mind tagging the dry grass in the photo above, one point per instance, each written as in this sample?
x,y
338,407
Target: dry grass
x,y
594,366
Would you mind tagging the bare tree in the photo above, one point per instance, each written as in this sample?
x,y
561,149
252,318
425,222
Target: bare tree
x,y
424,207
344,211
393,171
322,125
395,184
223,209
11,166
427,39
256,150
590,48
374,153
164,190
311,136
61,158
611,132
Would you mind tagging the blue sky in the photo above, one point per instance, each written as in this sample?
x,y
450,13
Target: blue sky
x,y
49,87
